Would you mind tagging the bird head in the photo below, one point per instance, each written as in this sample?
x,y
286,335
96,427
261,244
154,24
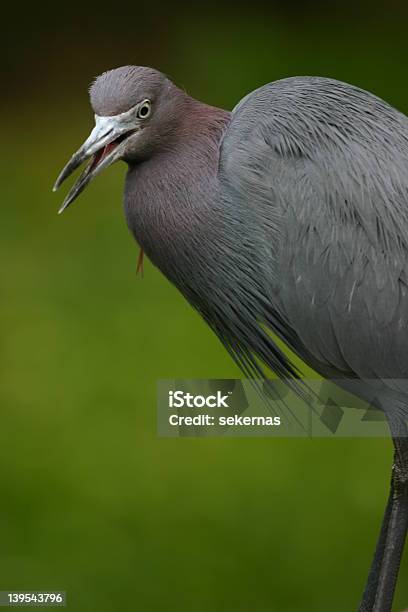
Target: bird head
x,y
136,109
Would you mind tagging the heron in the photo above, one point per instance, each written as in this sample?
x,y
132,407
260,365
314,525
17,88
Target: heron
x,y
285,220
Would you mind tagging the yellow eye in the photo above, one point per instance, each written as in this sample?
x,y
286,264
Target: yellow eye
x,y
144,110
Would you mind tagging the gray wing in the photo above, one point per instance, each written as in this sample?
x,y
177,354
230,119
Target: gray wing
x,y
322,168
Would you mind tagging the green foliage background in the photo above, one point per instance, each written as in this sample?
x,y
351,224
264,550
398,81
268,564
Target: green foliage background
x,y
91,500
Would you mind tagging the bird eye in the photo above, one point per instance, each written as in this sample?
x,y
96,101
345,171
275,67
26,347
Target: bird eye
x,y
144,110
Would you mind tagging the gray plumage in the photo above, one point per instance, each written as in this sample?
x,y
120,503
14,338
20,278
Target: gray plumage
x,y
287,217
290,213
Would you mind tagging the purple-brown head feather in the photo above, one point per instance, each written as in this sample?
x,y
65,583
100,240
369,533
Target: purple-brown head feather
x,y
117,90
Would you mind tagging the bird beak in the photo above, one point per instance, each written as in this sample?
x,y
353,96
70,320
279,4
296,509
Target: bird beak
x,y
105,145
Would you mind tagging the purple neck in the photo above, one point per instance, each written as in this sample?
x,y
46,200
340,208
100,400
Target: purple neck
x,y
170,199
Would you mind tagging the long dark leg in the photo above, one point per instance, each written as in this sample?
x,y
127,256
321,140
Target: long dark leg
x,y
398,522
379,592
370,591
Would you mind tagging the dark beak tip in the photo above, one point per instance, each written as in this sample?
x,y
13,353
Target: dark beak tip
x,y
64,205
58,182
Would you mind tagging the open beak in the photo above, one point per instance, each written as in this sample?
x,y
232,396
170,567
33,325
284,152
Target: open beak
x,y
105,145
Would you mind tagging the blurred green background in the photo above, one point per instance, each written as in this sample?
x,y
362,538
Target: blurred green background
x,y
91,500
